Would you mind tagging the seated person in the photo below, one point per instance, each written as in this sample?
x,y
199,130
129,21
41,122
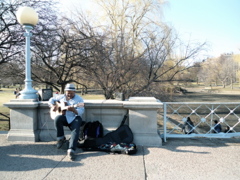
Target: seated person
x,y
188,126
71,117
217,127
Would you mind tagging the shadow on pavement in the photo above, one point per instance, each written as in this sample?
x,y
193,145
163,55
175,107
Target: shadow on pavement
x,y
182,145
28,156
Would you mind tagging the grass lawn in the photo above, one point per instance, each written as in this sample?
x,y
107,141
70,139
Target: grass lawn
x,y
5,96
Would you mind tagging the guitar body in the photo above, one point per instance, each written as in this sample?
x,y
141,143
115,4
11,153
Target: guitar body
x,y
60,108
53,114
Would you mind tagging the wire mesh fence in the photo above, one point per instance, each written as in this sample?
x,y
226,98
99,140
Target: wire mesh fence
x,y
213,120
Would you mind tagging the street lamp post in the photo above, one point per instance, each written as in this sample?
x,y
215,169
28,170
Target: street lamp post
x,y
27,17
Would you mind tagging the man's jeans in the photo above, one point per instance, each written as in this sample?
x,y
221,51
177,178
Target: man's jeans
x,y
74,126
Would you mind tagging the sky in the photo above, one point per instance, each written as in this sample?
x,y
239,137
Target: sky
x,y
216,22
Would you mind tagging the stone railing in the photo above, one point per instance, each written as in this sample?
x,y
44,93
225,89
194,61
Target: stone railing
x,y
30,120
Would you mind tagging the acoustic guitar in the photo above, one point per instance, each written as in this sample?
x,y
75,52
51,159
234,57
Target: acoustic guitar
x,y
60,108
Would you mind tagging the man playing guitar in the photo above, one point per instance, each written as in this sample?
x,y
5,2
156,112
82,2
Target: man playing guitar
x,y
71,116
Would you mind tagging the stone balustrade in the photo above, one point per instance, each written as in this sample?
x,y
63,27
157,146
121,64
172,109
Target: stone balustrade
x,y
30,120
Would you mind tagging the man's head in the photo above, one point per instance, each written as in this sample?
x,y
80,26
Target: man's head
x,y
70,90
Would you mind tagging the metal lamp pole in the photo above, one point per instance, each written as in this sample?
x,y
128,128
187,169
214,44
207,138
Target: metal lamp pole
x,y
28,18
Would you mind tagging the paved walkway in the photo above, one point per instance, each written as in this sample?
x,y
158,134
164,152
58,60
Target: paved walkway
x,y
178,159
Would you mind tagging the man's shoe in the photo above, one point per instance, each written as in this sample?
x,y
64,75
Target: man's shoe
x,y
71,154
61,142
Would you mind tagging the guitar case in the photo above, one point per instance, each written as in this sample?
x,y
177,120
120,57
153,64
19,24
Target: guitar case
x,y
123,134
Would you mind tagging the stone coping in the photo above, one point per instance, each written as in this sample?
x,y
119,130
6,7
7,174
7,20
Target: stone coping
x,y
136,103
22,103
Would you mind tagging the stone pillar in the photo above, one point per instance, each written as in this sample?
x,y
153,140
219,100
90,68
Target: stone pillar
x,y
23,120
143,120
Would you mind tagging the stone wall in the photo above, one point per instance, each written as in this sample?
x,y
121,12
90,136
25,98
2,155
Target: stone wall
x,y
30,120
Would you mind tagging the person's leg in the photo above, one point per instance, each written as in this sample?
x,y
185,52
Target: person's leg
x,y
75,128
59,122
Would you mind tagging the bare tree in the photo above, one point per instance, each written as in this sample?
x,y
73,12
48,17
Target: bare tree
x,y
129,52
8,31
227,70
132,50
11,32
60,55
222,69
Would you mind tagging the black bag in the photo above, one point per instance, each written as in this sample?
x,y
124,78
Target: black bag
x,y
93,130
122,134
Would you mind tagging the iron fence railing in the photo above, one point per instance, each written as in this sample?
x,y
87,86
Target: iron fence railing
x,y
192,119
5,117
